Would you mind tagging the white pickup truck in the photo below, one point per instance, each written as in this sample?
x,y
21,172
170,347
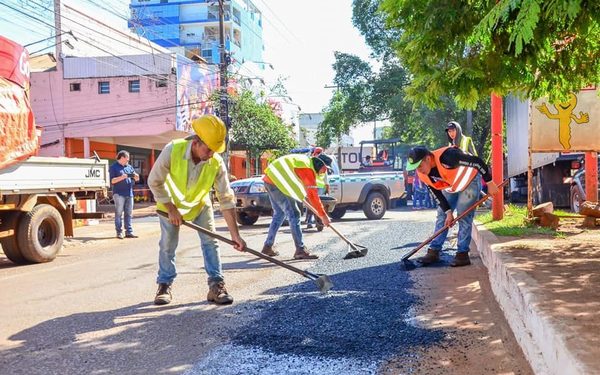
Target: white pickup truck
x,y
373,192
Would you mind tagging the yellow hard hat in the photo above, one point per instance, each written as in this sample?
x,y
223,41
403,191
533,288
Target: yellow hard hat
x,y
212,131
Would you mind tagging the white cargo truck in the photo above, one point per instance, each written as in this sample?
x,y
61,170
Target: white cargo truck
x,y
38,199
38,196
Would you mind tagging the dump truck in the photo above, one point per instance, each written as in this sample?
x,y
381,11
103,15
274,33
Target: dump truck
x,y
38,195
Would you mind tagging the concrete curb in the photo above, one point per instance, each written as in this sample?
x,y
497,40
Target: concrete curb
x,y
540,338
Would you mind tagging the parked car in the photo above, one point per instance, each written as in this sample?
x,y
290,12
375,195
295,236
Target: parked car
x,y
578,189
371,192
252,200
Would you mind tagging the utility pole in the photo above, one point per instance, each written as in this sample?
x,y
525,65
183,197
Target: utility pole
x,y
223,65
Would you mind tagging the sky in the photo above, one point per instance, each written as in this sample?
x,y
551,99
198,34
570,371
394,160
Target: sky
x,y
300,40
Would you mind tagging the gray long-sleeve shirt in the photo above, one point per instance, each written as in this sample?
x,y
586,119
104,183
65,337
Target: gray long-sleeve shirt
x,y
162,166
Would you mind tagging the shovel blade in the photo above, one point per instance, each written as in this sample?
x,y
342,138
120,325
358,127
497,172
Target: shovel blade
x,y
408,265
358,251
324,283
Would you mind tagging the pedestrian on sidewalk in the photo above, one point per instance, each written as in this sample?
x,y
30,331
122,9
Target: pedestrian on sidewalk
x,y
458,139
122,178
290,179
453,177
181,180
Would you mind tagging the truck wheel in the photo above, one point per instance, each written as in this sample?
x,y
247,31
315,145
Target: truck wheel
x,y
338,213
575,201
41,233
9,244
375,206
244,219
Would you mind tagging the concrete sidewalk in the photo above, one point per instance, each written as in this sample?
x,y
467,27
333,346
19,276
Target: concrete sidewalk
x,y
141,209
549,291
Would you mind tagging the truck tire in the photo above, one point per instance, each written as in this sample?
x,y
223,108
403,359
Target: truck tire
x,y
10,244
575,201
41,233
338,213
375,206
245,219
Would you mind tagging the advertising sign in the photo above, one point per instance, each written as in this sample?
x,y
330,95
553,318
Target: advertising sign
x,y
14,62
18,135
573,125
195,83
350,156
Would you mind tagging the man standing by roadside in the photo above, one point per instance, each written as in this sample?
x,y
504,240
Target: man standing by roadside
x,y
289,179
122,178
458,139
457,174
181,180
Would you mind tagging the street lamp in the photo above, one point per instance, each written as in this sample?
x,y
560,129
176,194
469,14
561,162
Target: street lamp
x,y
52,37
65,42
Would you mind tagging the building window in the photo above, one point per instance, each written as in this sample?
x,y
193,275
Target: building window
x,y
162,82
134,86
75,86
103,87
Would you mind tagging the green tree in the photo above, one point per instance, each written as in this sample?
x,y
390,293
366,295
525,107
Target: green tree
x,y
255,128
468,50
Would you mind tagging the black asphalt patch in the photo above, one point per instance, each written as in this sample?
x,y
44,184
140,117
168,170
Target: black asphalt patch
x,y
365,316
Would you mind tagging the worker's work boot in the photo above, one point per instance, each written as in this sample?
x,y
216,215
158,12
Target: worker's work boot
x,y
268,250
460,259
163,294
302,253
217,293
431,257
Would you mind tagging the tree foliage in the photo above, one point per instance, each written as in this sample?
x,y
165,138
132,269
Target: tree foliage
x,y
256,128
470,49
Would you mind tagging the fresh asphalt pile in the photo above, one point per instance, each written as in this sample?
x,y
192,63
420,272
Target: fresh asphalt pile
x,y
355,328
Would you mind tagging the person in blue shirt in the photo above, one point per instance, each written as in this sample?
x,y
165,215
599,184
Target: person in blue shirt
x,y
122,178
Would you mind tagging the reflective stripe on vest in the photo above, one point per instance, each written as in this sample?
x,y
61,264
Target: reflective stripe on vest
x,y
189,201
281,172
453,180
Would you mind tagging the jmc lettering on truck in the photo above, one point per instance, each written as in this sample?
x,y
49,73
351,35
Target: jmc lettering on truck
x,y
93,173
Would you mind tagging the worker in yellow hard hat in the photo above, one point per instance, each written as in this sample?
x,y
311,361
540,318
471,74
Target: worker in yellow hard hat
x,y
181,180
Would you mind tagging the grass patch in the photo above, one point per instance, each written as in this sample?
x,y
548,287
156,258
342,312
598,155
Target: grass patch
x,y
513,224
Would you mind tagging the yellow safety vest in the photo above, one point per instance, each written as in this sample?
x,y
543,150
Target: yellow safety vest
x,y
466,143
281,172
321,181
189,200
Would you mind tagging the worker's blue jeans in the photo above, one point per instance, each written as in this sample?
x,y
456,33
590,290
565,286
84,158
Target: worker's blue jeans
x,y
283,206
459,202
169,238
123,205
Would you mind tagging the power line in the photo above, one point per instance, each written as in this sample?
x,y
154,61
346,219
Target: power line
x,y
280,21
151,109
95,43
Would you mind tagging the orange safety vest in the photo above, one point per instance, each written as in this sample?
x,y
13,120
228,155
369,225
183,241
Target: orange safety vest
x,y
453,180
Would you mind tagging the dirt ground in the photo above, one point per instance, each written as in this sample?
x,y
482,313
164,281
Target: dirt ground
x,y
566,270
460,300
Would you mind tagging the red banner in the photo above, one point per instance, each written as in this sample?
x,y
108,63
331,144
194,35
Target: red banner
x,y
14,62
18,135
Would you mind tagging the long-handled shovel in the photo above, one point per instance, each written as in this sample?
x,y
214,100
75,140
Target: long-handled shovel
x,y
323,282
358,251
409,265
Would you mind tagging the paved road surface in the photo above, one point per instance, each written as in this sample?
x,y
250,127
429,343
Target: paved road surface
x,y
90,311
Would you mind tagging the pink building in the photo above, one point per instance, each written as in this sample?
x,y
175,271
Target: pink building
x,y
104,104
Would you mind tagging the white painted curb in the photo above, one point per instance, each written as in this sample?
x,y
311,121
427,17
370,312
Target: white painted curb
x,y
540,338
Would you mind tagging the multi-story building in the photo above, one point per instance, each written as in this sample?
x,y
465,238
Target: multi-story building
x,y
191,27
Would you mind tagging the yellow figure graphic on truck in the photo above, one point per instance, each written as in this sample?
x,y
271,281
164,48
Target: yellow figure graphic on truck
x,y
564,116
